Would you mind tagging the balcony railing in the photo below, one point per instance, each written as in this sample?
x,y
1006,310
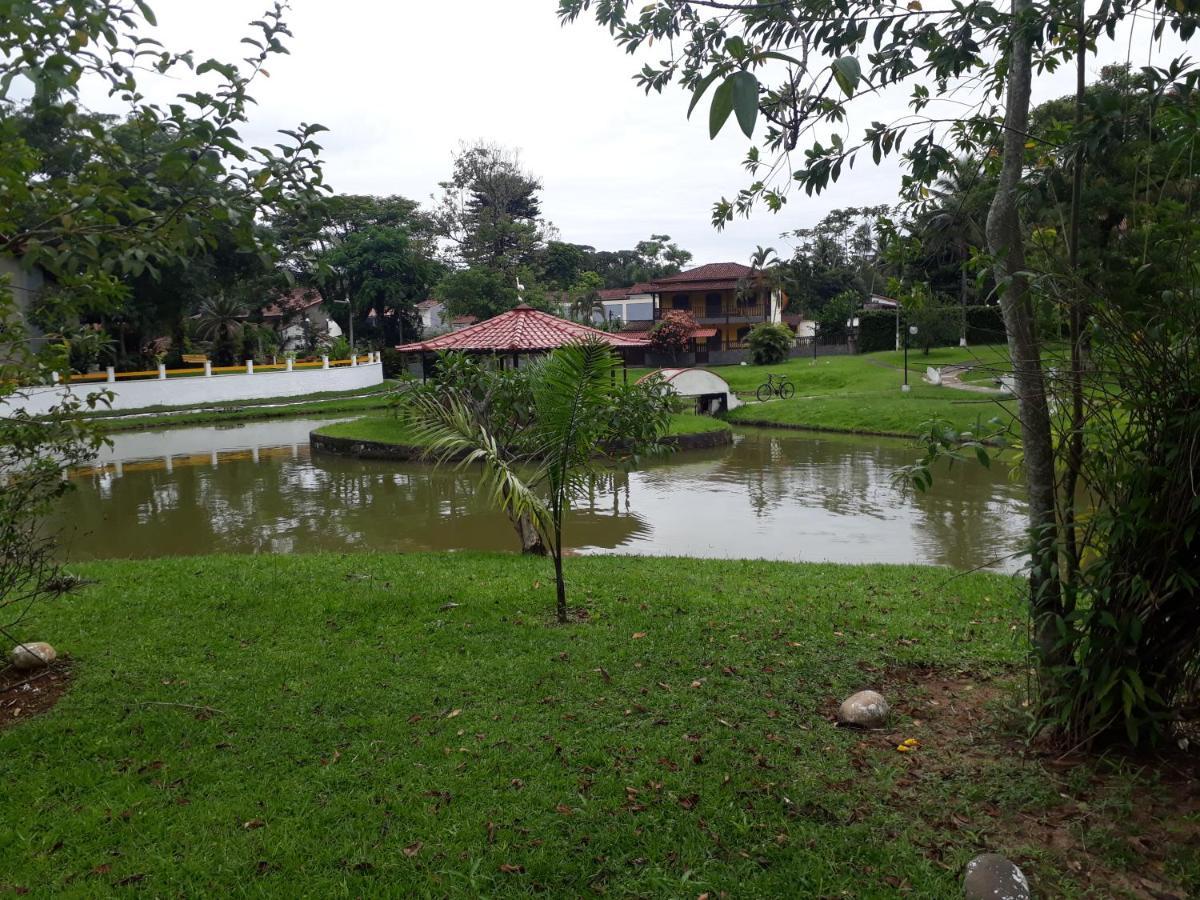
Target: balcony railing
x,y
724,315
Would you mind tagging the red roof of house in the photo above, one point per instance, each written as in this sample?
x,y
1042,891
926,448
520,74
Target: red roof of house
x,y
519,330
642,287
711,272
291,303
464,320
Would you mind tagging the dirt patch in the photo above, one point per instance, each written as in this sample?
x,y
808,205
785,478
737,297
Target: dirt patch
x,y
24,695
1115,825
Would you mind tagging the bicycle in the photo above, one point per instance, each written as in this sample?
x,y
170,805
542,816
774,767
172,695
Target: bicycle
x,y
777,386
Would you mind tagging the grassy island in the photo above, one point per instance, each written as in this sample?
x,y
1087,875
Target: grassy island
x,y
374,435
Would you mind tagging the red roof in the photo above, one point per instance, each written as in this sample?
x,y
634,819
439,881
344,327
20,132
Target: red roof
x,y
519,330
642,287
294,302
711,272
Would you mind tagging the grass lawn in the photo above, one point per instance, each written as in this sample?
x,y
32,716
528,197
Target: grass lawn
x,y
415,725
862,393
246,410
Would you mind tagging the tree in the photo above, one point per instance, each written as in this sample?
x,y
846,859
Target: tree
x,y
477,292
735,48
535,465
584,295
673,333
490,212
221,319
383,268
98,205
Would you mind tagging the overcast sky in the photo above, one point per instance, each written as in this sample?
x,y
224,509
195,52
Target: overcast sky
x,y
401,83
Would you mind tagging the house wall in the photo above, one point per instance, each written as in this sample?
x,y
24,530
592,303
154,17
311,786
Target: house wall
x,y
199,390
25,285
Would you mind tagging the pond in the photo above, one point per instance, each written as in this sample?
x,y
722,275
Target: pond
x,y
257,488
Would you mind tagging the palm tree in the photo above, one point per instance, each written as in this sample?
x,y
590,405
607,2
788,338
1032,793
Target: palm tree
x,y
586,307
537,477
220,319
955,226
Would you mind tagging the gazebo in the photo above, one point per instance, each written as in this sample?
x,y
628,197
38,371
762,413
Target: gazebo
x,y
523,331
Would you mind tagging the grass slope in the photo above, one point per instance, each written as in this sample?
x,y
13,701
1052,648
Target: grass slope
x,y
416,726
862,393
246,410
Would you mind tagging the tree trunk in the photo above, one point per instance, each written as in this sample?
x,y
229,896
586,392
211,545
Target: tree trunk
x,y
1007,245
531,538
560,587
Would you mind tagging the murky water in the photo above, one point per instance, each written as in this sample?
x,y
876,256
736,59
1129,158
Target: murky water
x,y
778,495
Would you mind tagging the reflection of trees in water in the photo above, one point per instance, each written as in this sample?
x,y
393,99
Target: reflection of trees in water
x,y
827,494
282,505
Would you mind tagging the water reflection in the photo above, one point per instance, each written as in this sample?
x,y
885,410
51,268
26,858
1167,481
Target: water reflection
x,y
777,495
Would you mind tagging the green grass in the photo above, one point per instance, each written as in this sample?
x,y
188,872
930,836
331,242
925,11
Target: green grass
x,y
382,428
246,410
862,393
691,423
387,429
415,725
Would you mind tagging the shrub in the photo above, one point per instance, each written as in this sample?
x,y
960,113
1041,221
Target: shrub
x,y
673,333
393,362
985,325
770,343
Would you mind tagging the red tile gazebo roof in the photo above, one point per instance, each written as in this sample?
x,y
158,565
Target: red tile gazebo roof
x,y
520,330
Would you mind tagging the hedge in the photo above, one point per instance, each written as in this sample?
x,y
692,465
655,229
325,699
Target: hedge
x,y
877,327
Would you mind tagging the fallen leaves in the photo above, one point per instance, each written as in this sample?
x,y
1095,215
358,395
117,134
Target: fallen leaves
x,y
253,824
510,869
453,713
413,849
638,635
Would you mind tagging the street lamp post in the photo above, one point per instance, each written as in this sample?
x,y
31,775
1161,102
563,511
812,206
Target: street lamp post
x,y
912,329
350,315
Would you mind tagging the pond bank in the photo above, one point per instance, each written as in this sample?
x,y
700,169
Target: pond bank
x,y
380,437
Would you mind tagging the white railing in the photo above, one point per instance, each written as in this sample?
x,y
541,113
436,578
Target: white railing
x,y
206,386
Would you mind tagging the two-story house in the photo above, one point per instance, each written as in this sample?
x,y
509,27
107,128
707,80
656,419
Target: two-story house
x,y
726,299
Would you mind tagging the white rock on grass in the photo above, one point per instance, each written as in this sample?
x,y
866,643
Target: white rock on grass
x,y
866,709
992,877
32,655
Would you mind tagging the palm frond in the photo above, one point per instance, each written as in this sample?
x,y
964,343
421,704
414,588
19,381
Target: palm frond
x,y
572,387
449,431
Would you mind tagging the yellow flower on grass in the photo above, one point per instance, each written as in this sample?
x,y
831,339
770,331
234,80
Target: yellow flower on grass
x,y
908,745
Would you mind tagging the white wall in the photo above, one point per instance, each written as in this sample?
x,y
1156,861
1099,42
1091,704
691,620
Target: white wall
x,y
198,390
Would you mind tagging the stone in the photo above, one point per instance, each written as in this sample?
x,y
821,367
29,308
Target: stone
x,y
866,709
32,655
992,877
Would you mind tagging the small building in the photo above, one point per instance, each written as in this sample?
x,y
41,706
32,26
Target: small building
x,y
300,319
710,392
513,337
434,318
628,304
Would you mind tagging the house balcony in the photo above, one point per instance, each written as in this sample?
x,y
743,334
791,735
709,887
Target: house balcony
x,y
723,315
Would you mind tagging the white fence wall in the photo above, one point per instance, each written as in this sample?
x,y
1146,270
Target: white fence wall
x,y
203,390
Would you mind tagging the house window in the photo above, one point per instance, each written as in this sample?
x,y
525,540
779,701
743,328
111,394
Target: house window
x,y
712,304
681,301
741,335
